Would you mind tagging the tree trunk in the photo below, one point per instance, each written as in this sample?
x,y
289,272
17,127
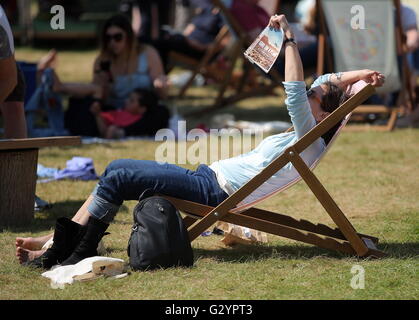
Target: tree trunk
x,y
17,186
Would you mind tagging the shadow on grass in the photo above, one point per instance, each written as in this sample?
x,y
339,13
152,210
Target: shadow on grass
x,y
265,113
248,253
57,152
192,97
79,46
111,144
45,219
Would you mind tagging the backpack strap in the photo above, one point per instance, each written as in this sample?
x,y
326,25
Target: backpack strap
x,y
146,194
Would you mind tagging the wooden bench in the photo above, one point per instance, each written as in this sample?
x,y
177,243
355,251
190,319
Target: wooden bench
x,y
18,163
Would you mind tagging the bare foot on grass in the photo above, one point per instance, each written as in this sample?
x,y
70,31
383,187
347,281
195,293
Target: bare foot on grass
x,y
32,243
29,243
30,248
25,255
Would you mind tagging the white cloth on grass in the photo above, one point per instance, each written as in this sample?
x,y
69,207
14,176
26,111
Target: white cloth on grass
x,y
61,275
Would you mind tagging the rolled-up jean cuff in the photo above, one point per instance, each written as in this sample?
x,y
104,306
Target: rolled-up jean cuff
x,y
102,209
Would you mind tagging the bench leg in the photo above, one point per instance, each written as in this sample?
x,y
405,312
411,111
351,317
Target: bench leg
x,y
17,186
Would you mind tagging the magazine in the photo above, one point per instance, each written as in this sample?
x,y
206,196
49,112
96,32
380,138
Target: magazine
x,y
266,48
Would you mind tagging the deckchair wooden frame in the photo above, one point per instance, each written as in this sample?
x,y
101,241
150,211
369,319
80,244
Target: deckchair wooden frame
x,y
199,65
344,239
405,101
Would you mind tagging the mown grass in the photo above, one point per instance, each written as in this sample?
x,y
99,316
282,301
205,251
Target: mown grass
x,y
372,176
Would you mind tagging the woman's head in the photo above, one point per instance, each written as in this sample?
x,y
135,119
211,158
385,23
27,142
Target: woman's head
x,y
140,101
325,99
117,36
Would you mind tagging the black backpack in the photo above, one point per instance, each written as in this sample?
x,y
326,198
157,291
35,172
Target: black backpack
x,y
158,238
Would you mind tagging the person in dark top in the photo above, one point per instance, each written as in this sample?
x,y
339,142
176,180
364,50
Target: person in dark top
x,y
243,9
198,35
12,85
147,17
11,10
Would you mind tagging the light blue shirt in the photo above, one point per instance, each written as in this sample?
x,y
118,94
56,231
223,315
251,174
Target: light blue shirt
x,y
234,172
127,83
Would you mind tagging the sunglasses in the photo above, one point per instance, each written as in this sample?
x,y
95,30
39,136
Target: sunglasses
x,y
117,37
312,93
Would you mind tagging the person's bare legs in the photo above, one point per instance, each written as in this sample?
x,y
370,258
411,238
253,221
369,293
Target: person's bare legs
x,y
80,89
76,89
82,215
73,89
47,61
30,248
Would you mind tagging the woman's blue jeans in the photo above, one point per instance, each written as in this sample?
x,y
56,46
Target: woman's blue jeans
x,y
126,179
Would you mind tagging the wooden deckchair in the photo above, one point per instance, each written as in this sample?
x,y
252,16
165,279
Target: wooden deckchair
x,y
329,25
202,66
199,66
235,209
240,41
414,5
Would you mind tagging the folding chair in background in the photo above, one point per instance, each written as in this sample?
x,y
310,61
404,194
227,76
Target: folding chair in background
x,y
200,66
414,5
239,43
239,209
271,6
375,47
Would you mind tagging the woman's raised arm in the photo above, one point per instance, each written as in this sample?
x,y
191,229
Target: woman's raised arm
x,y
343,79
293,65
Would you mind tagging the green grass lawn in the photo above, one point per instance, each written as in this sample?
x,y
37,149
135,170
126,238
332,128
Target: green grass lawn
x,y
373,177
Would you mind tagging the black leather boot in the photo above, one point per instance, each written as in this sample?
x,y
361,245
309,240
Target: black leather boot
x,y
67,236
88,244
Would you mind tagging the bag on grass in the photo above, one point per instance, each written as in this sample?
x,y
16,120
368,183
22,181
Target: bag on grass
x,y
159,238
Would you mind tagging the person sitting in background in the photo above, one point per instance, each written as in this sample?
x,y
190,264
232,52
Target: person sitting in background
x,y
122,66
306,31
242,10
198,35
12,91
411,32
147,17
410,28
410,47
133,119
12,85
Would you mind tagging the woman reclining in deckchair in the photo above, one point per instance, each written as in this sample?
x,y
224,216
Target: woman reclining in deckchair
x,y
126,179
